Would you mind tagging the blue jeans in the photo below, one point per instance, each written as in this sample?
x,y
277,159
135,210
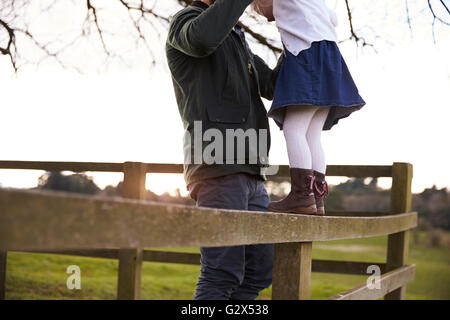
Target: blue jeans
x,y
236,272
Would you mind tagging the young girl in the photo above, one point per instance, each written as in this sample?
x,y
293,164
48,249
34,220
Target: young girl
x,y
314,90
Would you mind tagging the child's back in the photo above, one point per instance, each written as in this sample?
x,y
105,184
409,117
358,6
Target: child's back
x,y
301,22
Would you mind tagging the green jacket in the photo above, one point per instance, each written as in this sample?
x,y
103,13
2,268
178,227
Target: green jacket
x,y
218,81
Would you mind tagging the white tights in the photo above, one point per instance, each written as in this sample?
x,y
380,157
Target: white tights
x,y
302,129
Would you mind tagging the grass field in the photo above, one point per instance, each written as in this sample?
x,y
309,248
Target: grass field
x,y
43,276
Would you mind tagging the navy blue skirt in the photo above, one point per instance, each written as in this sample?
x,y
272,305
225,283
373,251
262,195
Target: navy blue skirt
x,y
317,76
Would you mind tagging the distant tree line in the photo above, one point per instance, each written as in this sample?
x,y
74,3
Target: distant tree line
x,y
79,183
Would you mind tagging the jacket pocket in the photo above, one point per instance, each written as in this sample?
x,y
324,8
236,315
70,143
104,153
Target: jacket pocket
x,y
234,99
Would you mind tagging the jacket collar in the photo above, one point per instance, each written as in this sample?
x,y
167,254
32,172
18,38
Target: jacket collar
x,y
200,4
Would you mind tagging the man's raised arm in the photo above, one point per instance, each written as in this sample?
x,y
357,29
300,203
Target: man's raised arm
x,y
198,34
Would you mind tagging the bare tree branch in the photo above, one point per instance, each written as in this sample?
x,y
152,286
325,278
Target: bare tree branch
x,y
145,22
93,10
435,17
8,49
408,18
353,35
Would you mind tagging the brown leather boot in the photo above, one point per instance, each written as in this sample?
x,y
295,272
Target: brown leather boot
x,y
301,198
320,191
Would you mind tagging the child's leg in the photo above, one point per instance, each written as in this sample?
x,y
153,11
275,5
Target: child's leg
x,y
295,128
301,198
313,136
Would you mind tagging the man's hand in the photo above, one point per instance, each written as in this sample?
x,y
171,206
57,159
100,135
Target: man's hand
x,y
264,8
199,32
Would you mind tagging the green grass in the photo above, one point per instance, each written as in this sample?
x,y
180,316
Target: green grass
x,y
43,276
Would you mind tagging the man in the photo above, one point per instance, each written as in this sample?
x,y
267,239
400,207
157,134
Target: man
x,y
218,84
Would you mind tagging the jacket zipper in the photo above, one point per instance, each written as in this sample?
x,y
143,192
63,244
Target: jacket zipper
x,y
249,64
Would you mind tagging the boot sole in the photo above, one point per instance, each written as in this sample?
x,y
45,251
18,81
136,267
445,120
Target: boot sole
x,y
311,210
321,211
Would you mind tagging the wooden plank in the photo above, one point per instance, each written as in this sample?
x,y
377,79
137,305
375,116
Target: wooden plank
x,y
323,266
134,180
63,166
357,213
129,280
130,260
147,255
397,256
401,195
93,253
87,166
359,171
389,282
344,267
171,257
164,168
292,271
355,171
3,266
398,243
43,220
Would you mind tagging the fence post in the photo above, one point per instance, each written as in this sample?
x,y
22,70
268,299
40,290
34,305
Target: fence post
x,y
398,243
3,261
292,271
130,266
130,260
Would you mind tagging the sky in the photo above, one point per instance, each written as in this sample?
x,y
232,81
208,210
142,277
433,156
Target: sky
x,y
129,113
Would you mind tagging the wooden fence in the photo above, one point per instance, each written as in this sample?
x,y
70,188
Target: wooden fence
x,y
114,228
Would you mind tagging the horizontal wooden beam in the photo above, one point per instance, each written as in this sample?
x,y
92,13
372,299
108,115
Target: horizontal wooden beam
x,y
148,255
44,220
323,266
388,282
92,253
344,267
357,171
63,166
358,213
164,168
172,257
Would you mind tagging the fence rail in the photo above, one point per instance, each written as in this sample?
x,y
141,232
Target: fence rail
x,y
324,266
63,223
388,282
60,220
356,171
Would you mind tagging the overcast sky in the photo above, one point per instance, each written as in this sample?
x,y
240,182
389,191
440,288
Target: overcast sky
x,y
128,112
